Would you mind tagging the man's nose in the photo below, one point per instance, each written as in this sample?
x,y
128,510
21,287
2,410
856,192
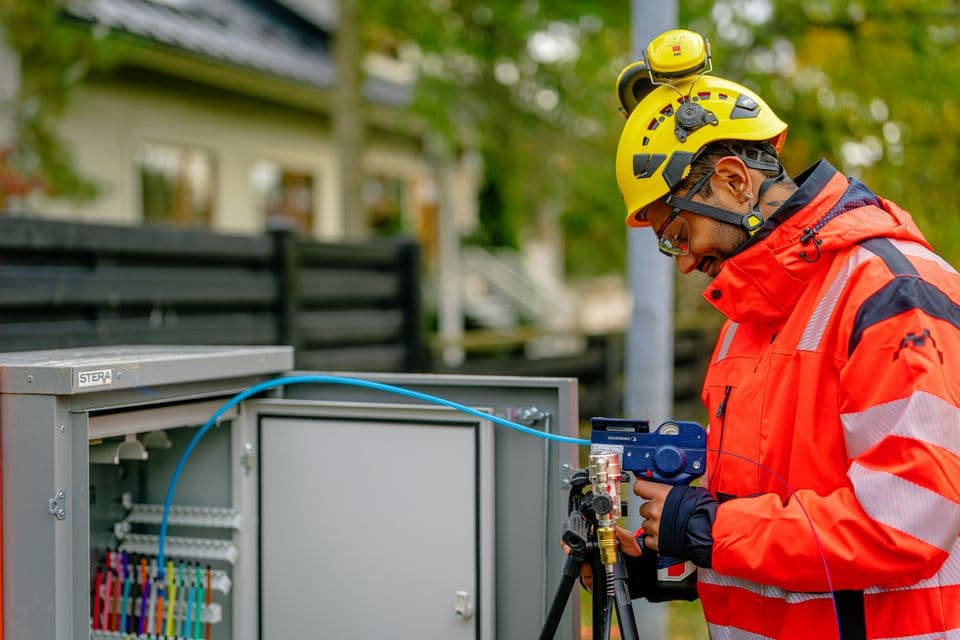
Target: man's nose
x,y
686,263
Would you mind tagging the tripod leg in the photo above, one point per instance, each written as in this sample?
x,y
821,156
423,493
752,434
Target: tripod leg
x,y
571,570
602,605
625,616
607,616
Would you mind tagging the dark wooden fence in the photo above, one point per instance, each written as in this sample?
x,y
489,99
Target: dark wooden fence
x,y
352,306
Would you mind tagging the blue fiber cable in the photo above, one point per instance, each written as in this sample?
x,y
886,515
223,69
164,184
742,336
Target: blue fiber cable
x,y
323,379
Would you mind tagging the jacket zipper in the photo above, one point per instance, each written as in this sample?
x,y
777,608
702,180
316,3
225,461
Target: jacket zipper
x,y
722,409
722,415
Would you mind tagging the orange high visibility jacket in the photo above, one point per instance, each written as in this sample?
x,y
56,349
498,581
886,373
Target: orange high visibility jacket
x,y
833,395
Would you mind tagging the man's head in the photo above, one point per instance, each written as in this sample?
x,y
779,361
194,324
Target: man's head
x,y
719,178
697,150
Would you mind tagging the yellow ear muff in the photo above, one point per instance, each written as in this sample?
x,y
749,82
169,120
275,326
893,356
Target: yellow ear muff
x,y
677,54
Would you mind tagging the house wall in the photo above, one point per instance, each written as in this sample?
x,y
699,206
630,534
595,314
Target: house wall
x,y
109,118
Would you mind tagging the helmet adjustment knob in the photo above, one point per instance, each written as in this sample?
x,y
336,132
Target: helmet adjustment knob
x,y
690,117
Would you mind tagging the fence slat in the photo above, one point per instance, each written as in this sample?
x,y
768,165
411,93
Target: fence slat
x,y
373,255
350,327
343,287
37,234
68,285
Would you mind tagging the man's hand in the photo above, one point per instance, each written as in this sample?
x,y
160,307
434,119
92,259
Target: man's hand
x,y
628,545
655,494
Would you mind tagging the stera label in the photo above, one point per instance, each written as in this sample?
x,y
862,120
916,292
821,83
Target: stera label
x,y
98,378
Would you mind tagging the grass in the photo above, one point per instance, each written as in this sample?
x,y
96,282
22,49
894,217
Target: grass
x,y
685,621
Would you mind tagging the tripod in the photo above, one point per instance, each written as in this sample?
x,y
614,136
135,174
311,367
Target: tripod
x,y
609,582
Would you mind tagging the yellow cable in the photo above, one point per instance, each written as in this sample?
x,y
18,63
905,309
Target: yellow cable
x,y
171,598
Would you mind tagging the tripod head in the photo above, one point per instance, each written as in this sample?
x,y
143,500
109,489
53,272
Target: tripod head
x,y
583,509
590,533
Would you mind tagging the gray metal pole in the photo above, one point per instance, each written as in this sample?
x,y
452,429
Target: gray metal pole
x,y
9,90
449,278
649,357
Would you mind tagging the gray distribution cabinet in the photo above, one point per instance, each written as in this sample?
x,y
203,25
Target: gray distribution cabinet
x,y
309,511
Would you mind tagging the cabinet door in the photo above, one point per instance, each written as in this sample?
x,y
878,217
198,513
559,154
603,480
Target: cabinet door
x,y
376,521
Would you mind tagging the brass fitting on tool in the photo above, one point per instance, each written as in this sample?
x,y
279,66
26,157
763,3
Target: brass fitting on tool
x,y
607,541
605,475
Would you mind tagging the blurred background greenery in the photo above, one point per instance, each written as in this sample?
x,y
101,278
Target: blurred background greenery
x,y
868,84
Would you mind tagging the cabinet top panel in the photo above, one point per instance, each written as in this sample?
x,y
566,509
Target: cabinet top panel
x,y
91,369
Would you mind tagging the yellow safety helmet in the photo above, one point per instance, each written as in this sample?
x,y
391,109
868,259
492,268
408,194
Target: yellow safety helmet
x,y
673,111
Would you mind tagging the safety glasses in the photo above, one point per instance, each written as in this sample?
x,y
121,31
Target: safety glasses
x,y
673,236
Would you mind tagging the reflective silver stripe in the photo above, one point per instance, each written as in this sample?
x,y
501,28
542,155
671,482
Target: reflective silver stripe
x,y
950,634
727,339
709,576
905,506
919,251
921,416
947,576
817,324
721,632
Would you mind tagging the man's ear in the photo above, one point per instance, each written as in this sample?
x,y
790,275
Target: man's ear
x,y
733,178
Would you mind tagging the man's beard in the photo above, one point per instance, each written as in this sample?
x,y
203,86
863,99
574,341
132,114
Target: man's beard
x,y
726,240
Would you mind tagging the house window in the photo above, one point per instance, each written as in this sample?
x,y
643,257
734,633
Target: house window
x,y
285,196
383,196
176,184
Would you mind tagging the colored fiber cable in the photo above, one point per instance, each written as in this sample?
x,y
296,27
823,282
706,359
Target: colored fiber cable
x,y
144,595
198,581
182,606
144,608
188,616
209,594
98,584
151,621
126,593
160,598
115,621
108,594
171,596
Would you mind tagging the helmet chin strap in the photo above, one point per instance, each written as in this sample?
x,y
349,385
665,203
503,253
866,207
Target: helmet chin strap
x,y
750,221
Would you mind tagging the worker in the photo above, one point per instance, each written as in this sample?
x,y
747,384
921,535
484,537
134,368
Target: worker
x,y
831,503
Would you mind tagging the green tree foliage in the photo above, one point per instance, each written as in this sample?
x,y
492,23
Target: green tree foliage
x,y
54,55
530,85
869,84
